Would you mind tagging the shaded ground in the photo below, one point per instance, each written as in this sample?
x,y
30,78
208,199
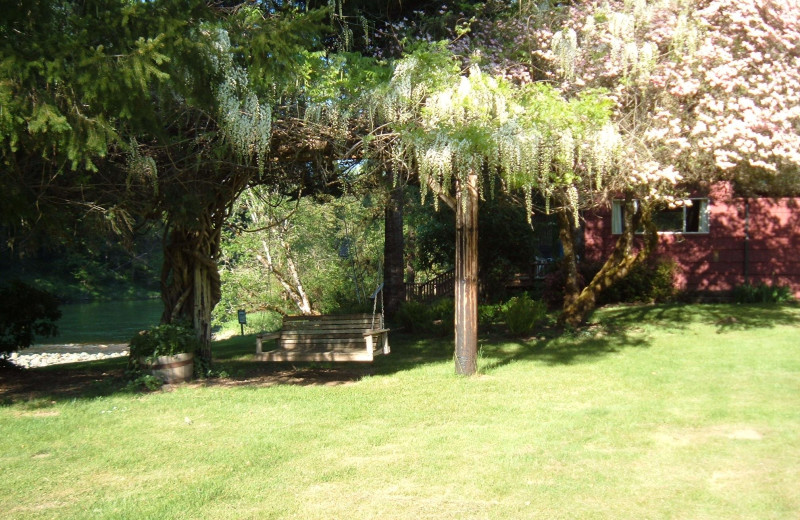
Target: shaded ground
x,y
18,384
62,382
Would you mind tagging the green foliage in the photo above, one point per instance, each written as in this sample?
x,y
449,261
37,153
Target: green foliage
x,y
435,317
85,70
163,340
88,263
443,311
146,382
25,313
489,314
335,246
522,314
648,282
506,241
762,293
414,317
451,125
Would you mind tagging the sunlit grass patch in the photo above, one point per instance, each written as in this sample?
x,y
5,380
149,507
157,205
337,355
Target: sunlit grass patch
x,y
651,412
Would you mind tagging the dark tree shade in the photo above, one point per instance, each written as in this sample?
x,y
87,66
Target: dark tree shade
x,y
25,312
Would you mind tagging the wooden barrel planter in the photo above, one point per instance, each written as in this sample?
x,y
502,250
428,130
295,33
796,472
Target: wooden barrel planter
x,y
170,369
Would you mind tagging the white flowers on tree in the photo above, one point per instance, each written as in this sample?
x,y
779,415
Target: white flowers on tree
x,y
245,121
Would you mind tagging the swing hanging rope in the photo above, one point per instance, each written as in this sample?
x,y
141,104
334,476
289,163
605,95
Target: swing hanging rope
x,y
374,299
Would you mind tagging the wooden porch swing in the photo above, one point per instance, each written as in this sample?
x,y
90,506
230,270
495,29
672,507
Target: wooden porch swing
x,y
346,337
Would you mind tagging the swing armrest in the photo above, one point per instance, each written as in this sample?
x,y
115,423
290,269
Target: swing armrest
x,y
383,342
262,337
373,332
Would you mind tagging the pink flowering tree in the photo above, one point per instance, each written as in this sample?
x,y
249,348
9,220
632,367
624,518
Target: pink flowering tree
x,y
702,91
731,102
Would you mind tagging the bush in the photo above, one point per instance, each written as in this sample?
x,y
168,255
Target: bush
x,y
163,340
522,314
489,315
444,315
415,317
649,282
435,317
762,293
25,312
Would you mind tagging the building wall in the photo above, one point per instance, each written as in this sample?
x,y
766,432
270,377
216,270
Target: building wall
x,y
723,259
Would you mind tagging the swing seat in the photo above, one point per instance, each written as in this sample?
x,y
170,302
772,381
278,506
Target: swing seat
x,y
349,337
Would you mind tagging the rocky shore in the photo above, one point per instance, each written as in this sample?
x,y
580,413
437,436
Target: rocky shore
x,y
45,355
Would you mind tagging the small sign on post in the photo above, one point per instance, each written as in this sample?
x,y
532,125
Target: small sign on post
x,y
242,318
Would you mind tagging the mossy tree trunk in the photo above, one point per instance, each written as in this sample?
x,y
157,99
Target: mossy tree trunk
x,y
579,303
190,282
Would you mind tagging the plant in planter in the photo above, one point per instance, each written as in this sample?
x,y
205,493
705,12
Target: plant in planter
x,y
166,352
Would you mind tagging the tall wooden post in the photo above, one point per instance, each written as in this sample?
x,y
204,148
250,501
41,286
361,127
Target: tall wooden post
x,y
466,282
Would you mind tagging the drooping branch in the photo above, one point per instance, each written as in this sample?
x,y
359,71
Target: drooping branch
x,y
440,192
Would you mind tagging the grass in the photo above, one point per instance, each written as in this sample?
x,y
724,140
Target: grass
x,y
650,412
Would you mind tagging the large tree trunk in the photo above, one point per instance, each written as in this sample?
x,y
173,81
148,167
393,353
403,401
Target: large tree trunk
x,y
566,232
466,276
393,252
623,258
190,283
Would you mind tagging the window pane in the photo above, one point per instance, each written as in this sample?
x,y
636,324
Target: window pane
x,y
702,204
669,220
693,217
617,217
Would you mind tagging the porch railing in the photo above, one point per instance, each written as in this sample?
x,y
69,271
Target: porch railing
x,y
444,284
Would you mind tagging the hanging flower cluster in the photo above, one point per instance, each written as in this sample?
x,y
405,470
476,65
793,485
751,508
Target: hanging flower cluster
x,y
244,119
526,137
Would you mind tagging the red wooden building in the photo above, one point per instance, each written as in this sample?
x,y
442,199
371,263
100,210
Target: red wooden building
x,y
719,242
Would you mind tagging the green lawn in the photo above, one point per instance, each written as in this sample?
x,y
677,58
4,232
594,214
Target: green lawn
x,y
686,412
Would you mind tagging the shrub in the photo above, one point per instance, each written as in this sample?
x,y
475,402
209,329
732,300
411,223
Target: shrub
x,y
435,317
652,281
443,312
489,315
762,293
414,316
25,312
522,314
164,340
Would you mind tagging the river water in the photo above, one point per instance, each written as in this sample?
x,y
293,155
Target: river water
x,y
104,322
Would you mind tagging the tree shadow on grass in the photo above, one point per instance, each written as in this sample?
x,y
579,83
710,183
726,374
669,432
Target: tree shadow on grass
x,y
725,317
234,366
563,348
407,353
616,329
62,382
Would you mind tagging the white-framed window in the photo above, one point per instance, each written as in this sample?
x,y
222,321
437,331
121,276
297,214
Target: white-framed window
x,y
692,218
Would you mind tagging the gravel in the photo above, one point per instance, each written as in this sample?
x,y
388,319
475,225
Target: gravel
x,y
45,355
